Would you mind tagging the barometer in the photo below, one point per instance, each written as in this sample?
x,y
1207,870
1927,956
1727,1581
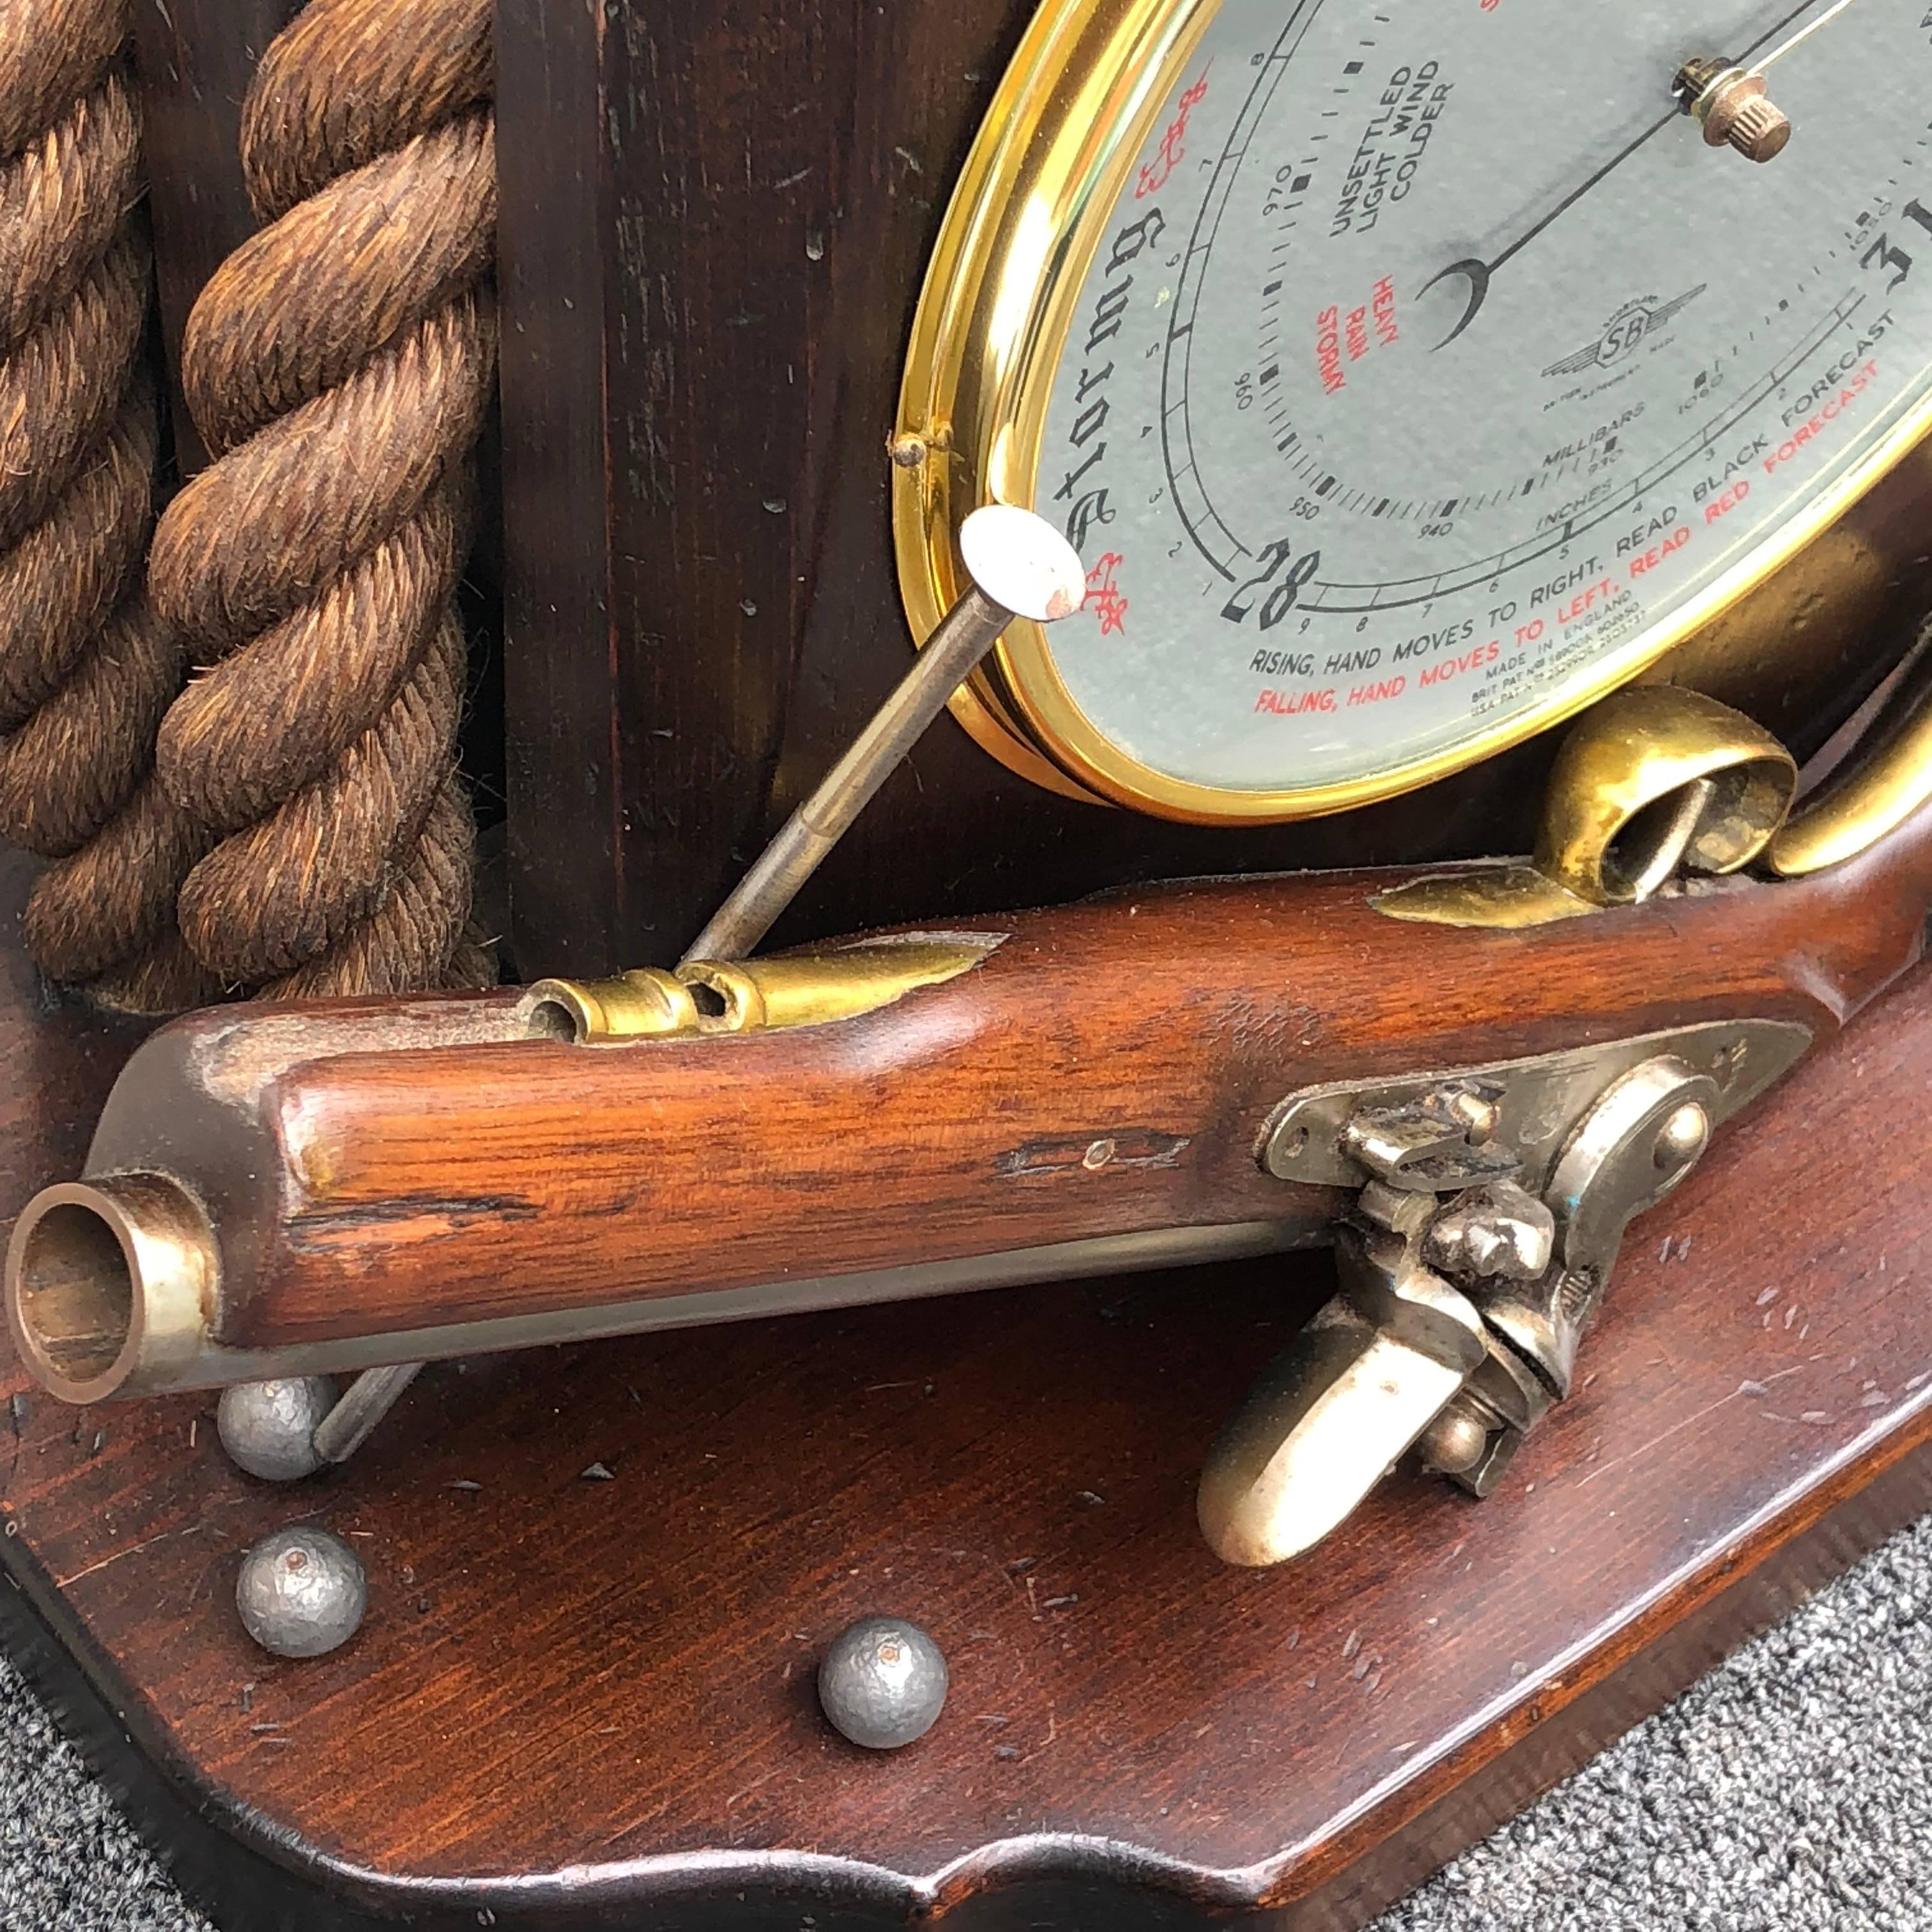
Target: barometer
x,y
1407,373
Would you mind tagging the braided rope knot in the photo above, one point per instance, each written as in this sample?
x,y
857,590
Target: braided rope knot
x,y
339,366
86,670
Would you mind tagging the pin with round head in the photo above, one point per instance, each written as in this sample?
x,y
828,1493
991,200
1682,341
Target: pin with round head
x,y
1020,562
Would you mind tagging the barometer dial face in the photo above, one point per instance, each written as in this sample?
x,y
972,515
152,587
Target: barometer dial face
x,y
1409,373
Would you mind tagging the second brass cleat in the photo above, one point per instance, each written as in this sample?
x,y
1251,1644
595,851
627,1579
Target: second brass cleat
x,y
1655,785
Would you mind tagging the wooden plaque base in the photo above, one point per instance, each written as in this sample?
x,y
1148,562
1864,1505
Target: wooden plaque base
x,y
580,1702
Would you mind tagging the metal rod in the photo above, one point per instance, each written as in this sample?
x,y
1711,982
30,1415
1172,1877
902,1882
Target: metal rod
x,y
1803,33
362,1406
1021,567
968,631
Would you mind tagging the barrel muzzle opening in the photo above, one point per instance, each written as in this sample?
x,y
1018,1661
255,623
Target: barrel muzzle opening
x,y
111,1286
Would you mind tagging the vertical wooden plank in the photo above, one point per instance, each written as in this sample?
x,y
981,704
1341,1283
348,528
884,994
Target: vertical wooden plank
x,y
716,221
560,638
726,122
196,58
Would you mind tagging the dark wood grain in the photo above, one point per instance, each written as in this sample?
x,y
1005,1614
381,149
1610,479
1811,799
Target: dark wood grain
x,y
196,58
579,1703
1108,1069
61,1058
717,215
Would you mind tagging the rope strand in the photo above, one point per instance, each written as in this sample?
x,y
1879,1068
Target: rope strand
x,y
339,365
86,671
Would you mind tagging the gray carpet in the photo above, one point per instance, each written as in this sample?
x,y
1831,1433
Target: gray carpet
x,y
1791,1789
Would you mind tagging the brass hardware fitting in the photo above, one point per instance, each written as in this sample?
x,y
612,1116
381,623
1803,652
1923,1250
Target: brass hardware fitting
x,y
1610,817
637,1005
1653,780
111,1282
705,997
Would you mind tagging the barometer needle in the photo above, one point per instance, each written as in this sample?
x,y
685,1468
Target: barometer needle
x,y
1479,273
1803,33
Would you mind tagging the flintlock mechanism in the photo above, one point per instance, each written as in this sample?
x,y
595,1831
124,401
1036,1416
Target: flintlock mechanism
x,y
1494,1198
1492,1203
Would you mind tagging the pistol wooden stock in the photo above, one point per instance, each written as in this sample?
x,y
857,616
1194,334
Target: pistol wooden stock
x,y
375,1170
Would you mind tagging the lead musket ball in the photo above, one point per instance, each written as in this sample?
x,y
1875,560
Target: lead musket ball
x,y
269,1428
301,1592
883,1682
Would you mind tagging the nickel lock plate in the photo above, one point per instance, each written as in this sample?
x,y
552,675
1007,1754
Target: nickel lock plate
x,y
1491,1202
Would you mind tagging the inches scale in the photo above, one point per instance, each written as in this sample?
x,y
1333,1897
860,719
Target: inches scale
x,y
1407,376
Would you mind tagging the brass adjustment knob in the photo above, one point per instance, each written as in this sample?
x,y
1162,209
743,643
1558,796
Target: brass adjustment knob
x,y
1734,109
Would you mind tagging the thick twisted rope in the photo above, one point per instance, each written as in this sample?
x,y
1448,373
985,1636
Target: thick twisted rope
x,y
338,365
85,671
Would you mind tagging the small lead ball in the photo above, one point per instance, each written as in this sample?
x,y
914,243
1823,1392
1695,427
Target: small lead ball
x,y
269,1428
883,1682
301,1592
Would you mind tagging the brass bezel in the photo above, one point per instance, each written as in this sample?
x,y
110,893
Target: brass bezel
x,y
1026,219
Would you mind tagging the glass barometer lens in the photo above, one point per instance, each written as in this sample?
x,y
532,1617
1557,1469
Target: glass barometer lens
x,y
1379,453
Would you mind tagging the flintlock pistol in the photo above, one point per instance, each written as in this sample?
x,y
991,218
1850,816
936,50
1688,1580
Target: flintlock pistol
x,y
1467,1079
